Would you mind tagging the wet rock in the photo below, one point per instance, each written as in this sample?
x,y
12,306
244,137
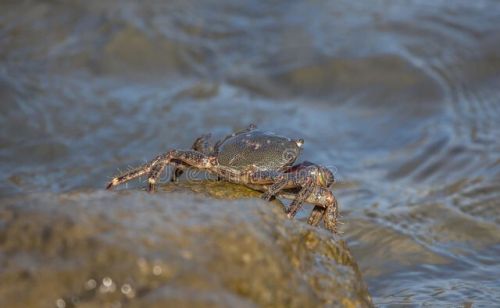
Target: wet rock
x,y
168,250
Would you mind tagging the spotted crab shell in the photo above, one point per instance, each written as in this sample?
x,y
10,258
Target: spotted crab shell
x,y
260,150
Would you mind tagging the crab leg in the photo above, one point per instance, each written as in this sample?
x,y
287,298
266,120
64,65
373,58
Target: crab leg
x,y
203,145
303,178
299,177
325,198
274,189
190,158
326,207
156,166
154,174
316,215
132,174
303,194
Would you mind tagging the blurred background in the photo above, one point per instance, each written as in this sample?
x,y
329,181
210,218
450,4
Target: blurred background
x,y
400,97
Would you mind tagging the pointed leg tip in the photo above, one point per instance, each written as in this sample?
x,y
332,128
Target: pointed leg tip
x,y
112,183
266,198
151,185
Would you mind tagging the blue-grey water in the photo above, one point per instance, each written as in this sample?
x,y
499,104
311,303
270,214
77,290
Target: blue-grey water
x,y
400,98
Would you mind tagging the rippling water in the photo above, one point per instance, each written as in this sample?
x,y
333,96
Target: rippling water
x,y
401,98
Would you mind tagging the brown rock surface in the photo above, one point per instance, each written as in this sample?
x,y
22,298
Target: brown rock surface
x,y
171,249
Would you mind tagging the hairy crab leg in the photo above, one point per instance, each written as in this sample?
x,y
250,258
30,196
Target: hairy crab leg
x,y
203,145
132,174
316,215
303,194
326,207
275,188
272,179
283,180
299,177
331,216
154,168
190,158
303,178
154,174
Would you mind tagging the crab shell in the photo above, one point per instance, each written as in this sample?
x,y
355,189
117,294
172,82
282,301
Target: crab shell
x,y
258,150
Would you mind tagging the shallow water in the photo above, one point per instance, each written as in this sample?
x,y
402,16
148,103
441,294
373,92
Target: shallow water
x,y
400,98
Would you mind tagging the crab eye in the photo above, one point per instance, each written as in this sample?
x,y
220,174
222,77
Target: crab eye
x,y
299,142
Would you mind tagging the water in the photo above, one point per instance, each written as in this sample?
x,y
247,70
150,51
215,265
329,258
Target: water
x,y
400,98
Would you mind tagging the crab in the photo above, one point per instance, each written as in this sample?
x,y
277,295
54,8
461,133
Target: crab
x,y
259,160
